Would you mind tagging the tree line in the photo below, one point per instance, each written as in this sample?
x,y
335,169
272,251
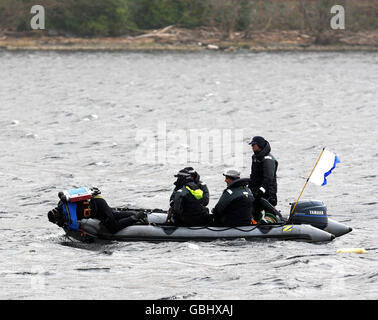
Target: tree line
x,y
122,17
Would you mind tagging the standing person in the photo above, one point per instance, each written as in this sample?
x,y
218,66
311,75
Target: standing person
x,y
263,179
234,207
187,205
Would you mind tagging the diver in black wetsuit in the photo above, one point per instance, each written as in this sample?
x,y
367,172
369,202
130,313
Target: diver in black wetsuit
x,y
97,208
114,220
188,201
196,178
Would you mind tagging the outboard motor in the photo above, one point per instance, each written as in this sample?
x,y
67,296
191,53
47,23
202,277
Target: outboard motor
x,y
311,212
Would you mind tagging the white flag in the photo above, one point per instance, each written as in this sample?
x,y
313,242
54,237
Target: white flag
x,y
326,164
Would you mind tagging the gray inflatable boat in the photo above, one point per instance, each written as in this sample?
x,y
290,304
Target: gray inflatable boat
x,y
307,221
314,227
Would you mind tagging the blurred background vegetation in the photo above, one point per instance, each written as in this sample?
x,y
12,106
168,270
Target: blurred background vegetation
x,y
125,17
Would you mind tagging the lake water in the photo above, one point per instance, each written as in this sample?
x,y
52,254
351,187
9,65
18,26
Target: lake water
x,y
127,122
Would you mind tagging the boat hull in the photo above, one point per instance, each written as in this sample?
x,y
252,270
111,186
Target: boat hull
x,y
92,229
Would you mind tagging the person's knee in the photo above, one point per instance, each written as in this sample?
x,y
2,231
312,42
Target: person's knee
x,y
273,200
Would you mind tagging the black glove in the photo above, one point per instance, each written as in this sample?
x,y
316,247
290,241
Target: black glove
x,y
56,216
259,194
142,217
52,214
272,200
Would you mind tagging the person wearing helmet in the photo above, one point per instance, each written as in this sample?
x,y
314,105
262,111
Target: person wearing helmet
x,y
201,185
263,178
179,183
96,208
196,178
234,207
187,203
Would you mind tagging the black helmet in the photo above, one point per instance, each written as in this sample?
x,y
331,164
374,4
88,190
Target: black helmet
x,y
182,173
190,170
260,141
183,177
193,173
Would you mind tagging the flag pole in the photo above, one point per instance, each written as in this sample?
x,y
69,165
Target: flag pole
x,y
307,182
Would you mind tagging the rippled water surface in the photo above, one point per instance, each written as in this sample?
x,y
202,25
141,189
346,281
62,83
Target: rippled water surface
x,y
122,122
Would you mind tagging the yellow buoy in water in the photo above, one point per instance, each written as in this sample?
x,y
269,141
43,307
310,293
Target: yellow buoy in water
x,y
351,250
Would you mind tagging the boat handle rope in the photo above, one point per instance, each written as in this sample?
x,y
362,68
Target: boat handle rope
x,y
237,228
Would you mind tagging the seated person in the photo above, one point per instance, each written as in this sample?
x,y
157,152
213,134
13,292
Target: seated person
x,y
196,178
187,203
234,207
97,208
201,185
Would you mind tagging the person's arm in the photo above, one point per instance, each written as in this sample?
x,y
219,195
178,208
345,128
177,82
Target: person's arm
x,y
206,194
177,205
172,198
224,201
252,184
269,171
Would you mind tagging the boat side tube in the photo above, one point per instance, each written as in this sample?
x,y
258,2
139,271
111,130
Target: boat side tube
x,y
336,228
94,229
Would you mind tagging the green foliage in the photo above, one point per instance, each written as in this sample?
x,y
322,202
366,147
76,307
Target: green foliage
x,y
12,15
156,13
192,13
97,17
150,14
80,17
117,17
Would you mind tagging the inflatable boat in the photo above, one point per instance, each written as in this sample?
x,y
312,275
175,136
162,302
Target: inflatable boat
x,y
302,227
91,229
308,221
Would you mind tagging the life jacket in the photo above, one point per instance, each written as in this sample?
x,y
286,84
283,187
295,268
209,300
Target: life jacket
x,y
188,209
197,193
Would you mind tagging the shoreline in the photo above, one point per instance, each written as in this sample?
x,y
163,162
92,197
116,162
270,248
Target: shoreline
x,y
175,39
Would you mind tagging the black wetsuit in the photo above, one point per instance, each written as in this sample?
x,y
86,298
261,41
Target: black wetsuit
x,y
201,185
263,175
187,210
234,207
112,219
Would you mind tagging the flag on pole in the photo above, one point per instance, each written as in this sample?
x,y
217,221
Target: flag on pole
x,y
324,167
